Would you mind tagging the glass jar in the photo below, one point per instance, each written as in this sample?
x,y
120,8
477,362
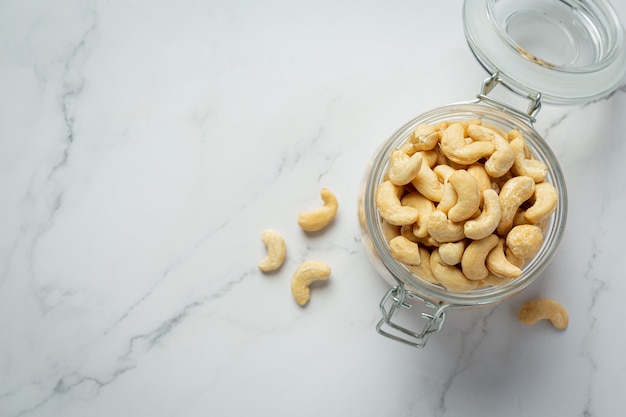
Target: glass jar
x,y
510,39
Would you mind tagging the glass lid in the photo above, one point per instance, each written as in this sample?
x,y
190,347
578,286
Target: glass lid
x,y
569,51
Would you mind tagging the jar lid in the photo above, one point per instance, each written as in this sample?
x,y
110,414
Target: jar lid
x,y
569,51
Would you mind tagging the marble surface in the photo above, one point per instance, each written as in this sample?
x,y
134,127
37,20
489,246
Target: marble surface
x,y
145,145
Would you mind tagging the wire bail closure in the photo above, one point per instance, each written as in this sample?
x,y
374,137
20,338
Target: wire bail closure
x,y
434,321
534,105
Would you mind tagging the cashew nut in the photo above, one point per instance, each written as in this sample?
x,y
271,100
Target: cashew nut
x,y
389,206
424,206
423,269
307,273
468,194
489,218
450,277
498,264
480,175
442,229
475,255
403,168
449,198
513,193
443,172
496,281
428,184
315,220
424,137
452,252
544,308
406,230
405,251
532,168
454,147
502,159
275,250
389,230
524,241
545,203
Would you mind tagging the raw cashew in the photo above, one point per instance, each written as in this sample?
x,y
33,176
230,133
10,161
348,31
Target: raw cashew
x,y
468,196
489,218
496,281
403,168
449,198
545,202
406,230
443,172
430,157
524,241
475,255
405,251
480,175
424,206
424,137
498,264
428,184
532,168
452,252
450,277
315,220
502,159
307,273
544,308
423,269
454,147
389,205
275,250
513,193
442,229
389,230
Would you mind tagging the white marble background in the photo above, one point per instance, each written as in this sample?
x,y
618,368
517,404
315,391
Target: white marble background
x,y
145,145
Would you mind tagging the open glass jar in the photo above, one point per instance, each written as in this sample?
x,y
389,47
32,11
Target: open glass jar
x,y
554,51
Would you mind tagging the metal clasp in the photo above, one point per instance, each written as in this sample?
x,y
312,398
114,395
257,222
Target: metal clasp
x,y
434,322
534,99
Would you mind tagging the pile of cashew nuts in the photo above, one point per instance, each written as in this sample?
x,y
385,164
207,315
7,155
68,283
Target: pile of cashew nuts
x,y
464,205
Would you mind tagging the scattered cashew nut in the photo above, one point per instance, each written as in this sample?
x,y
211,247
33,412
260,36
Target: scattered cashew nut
x,y
307,273
544,308
275,250
315,220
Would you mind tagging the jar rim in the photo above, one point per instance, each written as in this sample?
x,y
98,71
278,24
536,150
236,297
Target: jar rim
x,y
567,50
394,270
